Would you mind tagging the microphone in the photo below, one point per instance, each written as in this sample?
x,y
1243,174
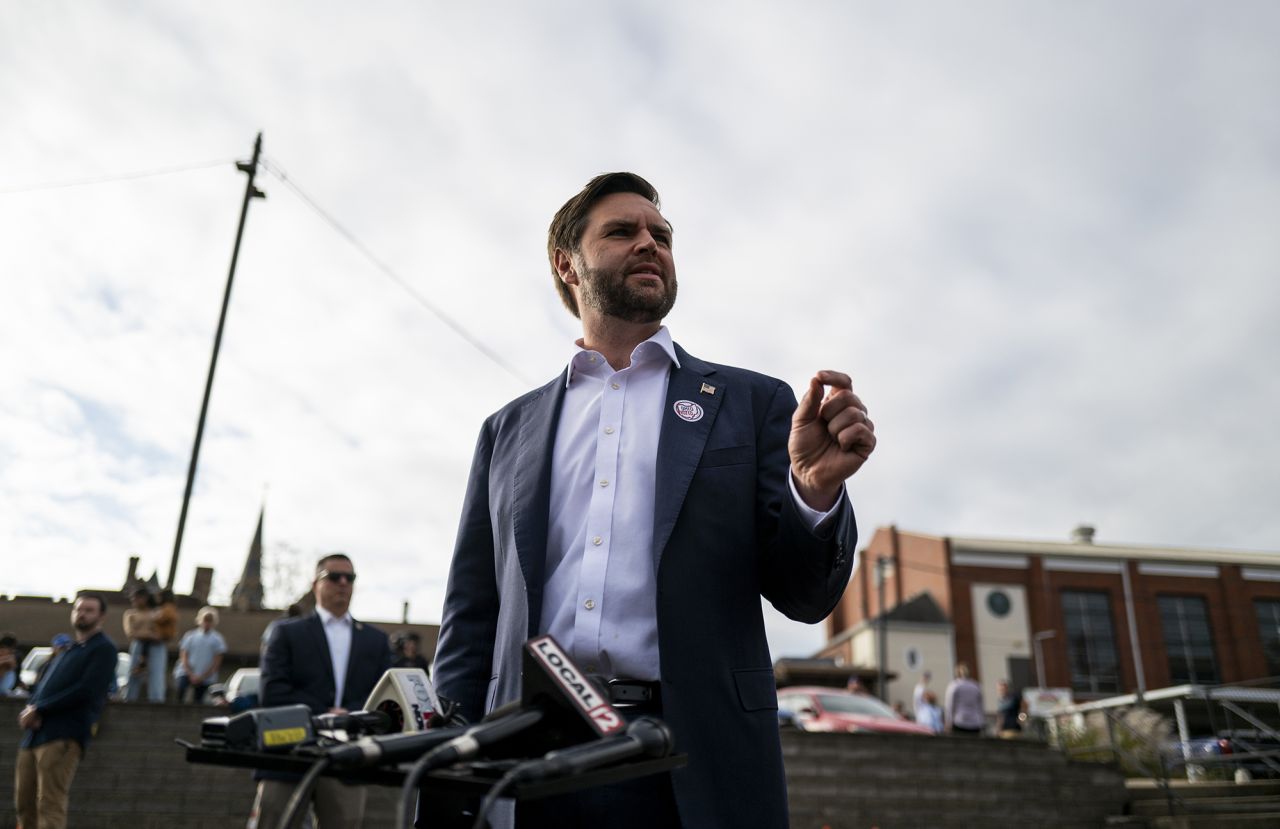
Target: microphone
x,y
456,742
645,737
559,706
355,722
408,697
389,748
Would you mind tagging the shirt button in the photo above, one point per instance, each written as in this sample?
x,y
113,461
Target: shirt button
x,y
597,541
608,430
615,385
591,359
604,483
589,604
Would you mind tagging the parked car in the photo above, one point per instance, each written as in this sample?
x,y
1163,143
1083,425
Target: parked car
x,y
242,685
38,656
831,709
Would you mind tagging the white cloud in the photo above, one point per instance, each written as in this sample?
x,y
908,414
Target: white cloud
x,y
1039,236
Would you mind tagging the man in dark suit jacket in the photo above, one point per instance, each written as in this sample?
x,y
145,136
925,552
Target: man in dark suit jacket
x,y
639,510
329,662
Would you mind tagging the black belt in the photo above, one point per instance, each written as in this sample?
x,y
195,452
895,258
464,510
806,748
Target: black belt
x,y
633,691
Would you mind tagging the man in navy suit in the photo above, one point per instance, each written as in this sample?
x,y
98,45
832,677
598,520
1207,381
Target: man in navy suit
x,y
636,508
329,662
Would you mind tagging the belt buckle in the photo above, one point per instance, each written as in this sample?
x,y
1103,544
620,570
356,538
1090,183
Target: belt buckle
x,y
629,692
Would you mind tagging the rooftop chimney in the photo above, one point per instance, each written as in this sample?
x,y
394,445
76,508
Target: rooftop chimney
x,y
202,584
1082,534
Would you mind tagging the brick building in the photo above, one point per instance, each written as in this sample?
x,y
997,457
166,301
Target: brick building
x,y
1079,609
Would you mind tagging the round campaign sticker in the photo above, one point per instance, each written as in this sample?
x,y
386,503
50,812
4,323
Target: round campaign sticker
x,y
688,410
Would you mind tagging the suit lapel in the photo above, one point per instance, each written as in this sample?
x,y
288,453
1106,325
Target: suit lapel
x,y
531,488
680,444
321,643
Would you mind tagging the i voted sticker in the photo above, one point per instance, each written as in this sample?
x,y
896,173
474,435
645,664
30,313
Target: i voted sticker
x,y
688,410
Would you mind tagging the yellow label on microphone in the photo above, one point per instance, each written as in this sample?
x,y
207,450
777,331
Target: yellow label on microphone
x,y
283,736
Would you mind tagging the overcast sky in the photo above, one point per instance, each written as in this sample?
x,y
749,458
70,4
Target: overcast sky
x,y
1041,237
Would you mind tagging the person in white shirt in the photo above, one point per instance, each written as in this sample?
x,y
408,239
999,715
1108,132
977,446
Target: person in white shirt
x,y
922,687
199,656
329,662
636,508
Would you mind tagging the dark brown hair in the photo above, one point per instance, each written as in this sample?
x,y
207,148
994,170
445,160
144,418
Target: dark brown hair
x,y
94,597
570,220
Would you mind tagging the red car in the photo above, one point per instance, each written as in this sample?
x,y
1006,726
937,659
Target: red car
x,y
831,709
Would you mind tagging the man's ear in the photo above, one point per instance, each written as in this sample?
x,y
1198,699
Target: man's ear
x,y
564,267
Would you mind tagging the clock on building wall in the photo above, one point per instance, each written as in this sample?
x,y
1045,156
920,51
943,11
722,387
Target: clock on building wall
x,y
998,603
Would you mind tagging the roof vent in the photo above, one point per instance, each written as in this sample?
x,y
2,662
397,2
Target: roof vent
x,y
1082,534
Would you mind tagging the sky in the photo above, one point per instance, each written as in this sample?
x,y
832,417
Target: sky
x,y
1040,237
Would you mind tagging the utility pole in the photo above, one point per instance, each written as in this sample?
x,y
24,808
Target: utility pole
x,y
251,192
882,564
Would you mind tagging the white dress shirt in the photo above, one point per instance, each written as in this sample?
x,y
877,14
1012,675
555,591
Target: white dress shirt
x,y
599,596
337,632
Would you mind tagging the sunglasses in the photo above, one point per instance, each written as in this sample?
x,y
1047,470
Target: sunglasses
x,y
349,578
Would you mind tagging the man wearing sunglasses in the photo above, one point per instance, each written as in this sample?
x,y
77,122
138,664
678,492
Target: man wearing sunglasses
x,y
329,662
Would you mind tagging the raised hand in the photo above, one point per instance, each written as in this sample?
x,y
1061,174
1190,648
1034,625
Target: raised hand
x,y
831,437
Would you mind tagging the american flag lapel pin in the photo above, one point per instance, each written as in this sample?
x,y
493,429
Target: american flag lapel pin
x,y
707,388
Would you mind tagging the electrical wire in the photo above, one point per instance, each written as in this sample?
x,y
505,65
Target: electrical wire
x,y
105,179
272,167
302,794
491,797
405,812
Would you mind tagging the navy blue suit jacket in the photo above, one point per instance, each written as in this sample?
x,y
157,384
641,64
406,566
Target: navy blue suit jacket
x,y
297,668
726,531
74,689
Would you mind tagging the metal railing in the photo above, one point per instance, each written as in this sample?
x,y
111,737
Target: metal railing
x,y
1223,703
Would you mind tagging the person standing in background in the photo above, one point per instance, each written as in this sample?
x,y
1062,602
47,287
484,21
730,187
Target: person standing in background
x,y
146,650
1009,708
59,720
922,688
928,713
166,619
963,708
199,656
8,663
329,662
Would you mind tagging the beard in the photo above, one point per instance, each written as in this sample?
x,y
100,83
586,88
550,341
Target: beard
x,y
607,291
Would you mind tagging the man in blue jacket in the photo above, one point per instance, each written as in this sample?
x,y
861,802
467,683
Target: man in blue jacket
x,y
636,508
58,722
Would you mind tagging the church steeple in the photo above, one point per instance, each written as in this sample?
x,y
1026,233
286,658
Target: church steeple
x,y
247,594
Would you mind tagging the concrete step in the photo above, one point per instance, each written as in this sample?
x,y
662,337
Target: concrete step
x,y
1268,819
1143,789
971,772
1210,806
887,817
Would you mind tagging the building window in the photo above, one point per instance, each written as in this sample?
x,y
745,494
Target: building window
x,y
1188,640
1268,611
1091,642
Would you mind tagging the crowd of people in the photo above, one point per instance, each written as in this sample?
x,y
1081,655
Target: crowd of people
x,y
962,712
69,690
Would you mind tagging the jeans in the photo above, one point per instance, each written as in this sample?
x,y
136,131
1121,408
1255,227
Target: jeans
x,y
153,675
197,690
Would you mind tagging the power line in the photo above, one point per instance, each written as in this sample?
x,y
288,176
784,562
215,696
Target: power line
x,y
274,169
104,179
